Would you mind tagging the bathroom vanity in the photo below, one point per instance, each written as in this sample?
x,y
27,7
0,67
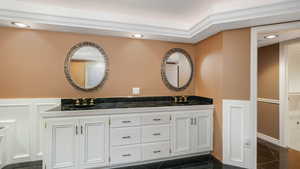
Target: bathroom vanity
x,y
126,131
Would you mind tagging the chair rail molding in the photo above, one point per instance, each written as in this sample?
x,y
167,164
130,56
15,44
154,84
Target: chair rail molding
x,y
71,20
271,101
22,117
269,139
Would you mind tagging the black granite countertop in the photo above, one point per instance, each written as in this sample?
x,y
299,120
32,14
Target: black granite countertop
x,y
135,102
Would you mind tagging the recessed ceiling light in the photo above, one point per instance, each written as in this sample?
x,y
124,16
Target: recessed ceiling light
x,y
271,36
137,35
20,25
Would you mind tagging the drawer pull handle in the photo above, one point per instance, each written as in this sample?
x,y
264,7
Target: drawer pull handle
x,y
157,151
156,119
126,121
126,137
126,155
156,134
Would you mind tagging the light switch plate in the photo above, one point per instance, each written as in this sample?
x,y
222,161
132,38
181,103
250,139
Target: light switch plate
x,y
136,91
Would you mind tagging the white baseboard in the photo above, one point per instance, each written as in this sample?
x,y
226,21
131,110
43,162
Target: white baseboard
x,y
269,139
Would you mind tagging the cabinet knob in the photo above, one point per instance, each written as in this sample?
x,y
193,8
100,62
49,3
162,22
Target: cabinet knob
x,y
156,119
157,151
126,121
156,134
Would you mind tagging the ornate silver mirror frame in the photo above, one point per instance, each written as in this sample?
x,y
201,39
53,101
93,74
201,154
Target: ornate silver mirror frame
x,y
163,69
71,52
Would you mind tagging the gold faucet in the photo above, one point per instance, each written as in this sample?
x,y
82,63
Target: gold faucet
x,y
185,99
180,99
175,99
77,102
84,101
92,101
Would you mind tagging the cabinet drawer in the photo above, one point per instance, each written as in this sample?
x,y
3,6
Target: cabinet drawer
x,y
125,154
125,121
156,119
125,136
156,150
155,133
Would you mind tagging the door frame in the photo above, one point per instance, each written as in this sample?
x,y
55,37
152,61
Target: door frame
x,y
282,86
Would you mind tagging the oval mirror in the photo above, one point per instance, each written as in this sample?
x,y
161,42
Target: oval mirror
x,y
86,66
177,69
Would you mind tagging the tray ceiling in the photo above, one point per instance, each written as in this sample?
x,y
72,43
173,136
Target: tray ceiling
x,y
173,20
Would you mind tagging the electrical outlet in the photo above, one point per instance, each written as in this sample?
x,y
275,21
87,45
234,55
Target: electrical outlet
x,y
136,91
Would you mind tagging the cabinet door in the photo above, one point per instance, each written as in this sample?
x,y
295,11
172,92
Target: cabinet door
x,y
94,133
181,133
203,129
62,138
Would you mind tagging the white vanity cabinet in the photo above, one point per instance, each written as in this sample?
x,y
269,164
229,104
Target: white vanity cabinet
x,y
203,126
94,142
110,138
62,144
191,132
74,143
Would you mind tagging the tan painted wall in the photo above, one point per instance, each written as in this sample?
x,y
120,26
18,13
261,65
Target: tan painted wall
x,y
223,72
268,119
236,64
293,159
208,81
32,65
268,87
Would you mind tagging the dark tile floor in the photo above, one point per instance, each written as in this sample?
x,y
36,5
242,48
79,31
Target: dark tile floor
x,y
270,156
26,165
199,162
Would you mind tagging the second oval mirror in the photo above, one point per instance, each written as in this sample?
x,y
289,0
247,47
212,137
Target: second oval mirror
x,y
86,66
177,69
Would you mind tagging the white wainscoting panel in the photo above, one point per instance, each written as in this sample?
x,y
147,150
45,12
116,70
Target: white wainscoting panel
x,y
8,135
236,133
22,117
3,141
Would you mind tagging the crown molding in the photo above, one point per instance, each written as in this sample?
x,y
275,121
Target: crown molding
x,y
268,14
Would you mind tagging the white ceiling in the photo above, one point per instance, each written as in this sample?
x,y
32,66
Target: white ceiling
x,y
284,35
178,14
172,20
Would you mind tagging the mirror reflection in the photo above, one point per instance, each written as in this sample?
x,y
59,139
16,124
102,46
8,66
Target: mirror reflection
x,y
178,69
86,66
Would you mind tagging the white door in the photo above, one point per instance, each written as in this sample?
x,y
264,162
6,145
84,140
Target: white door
x,y
203,128
181,133
94,142
62,137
